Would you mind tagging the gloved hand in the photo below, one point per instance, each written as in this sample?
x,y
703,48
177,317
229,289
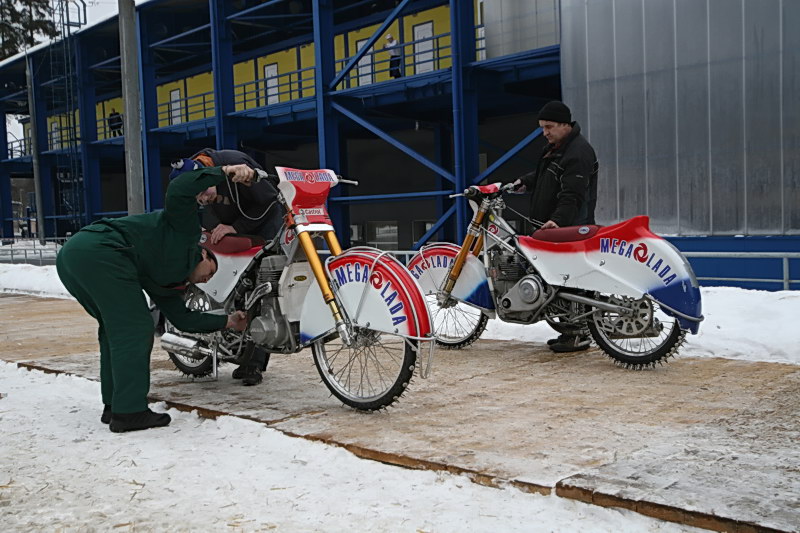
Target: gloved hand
x,y
240,174
519,187
237,320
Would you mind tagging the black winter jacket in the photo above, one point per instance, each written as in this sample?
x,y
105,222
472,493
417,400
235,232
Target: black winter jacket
x,y
254,200
564,185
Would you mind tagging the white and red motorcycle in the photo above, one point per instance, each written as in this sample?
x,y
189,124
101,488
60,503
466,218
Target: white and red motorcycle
x,y
634,291
361,312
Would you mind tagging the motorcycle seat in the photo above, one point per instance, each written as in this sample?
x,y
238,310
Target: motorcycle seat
x,y
233,243
566,234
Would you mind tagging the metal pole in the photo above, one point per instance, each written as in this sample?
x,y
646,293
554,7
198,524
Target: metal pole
x,y
37,174
786,273
129,57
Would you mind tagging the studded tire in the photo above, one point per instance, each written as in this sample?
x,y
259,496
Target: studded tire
x,y
633,344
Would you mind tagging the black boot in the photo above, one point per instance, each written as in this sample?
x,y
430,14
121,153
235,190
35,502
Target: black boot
x,y
105,418
561,338
572,343
121,422
253,364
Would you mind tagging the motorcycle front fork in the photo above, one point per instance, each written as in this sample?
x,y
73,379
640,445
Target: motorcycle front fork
x,y
473,243
307,244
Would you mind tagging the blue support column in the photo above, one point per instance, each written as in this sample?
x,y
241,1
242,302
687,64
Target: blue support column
x,y
327,120
6,211
153,187
465,109
45,161
87,114
222,66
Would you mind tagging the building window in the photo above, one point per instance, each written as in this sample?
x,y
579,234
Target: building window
x,y
364,65
271,83
420,228
382,234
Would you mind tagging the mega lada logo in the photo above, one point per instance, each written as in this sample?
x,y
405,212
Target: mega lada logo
x,y
640,253
308,176
355,272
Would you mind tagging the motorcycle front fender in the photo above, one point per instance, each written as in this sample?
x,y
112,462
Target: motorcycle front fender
x,y
431,264
375,291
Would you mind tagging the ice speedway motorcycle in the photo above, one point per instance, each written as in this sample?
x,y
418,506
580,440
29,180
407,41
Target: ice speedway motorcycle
x,y
361,312
634,291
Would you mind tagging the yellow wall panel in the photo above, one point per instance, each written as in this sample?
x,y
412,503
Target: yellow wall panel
x,y
440,17
380,58
287,83
243,73
200,96
307,61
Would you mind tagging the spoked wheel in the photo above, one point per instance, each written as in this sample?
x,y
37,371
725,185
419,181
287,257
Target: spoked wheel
x,y
202,365
370,373
456,326
640,339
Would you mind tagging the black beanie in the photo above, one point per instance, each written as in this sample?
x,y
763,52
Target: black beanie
x,y
556,111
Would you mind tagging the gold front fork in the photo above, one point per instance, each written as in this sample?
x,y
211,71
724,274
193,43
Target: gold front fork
x,y
466,248
307,244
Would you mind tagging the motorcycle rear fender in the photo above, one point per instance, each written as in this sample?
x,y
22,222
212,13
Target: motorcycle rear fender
x,y
430,265
374,290
229,270
626,259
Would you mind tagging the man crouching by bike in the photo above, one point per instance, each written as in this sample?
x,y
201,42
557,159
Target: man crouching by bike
x,y
107,264
238,209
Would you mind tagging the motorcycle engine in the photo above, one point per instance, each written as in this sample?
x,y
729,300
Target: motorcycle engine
x,y
519,291
270,327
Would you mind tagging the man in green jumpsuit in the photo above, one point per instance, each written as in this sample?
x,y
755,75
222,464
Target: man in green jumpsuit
x,y
106,265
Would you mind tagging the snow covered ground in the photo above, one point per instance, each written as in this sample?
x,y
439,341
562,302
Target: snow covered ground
x,y
61,469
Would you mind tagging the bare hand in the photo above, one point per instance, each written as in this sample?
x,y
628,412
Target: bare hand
x,y
519,187
240,174
549,224
220,231
237,320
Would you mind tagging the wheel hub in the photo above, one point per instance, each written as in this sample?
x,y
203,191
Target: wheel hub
x,y
635,323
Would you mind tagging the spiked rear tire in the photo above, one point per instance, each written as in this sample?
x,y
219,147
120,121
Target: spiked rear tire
x,y
639,341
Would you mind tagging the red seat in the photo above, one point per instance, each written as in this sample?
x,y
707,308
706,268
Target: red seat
x,y
566,234
232,244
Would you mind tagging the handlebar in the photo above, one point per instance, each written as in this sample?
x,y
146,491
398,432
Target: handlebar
x,y
467,191
273,178
348,182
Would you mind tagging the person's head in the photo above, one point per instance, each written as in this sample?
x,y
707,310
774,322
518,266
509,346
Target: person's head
x,y
555,119
206,268
389,37
208,196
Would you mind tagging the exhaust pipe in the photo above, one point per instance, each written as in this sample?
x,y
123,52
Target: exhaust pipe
x,y
184,346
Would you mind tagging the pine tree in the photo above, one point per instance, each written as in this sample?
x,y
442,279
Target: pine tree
x,y
23,23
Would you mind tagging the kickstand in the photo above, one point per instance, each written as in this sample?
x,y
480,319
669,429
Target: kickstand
x,y
214,359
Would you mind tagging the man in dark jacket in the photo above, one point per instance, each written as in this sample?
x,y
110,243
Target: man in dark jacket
x,y
564,188
236,208
106,265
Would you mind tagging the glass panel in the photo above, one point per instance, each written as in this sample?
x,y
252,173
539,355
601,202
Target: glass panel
x,y
382,234
662,181
630,108
692,111
762,116
727,119
602,116
791,118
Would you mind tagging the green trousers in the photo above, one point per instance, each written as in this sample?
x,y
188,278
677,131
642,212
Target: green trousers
x,y
99,269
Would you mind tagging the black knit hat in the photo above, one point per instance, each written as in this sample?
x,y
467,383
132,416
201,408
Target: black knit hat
x,y
556,111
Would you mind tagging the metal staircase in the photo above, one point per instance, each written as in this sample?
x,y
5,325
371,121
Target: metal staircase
x,y
64,141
